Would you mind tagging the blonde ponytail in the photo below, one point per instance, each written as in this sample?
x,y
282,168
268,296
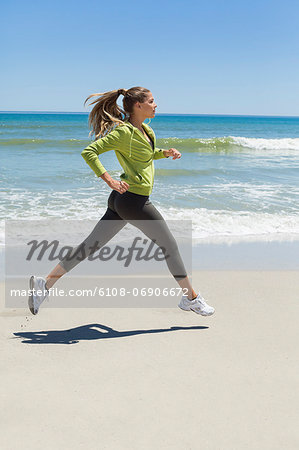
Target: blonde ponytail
x,y
106,114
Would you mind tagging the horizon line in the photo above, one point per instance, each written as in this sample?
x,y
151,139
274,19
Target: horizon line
x,y
158,114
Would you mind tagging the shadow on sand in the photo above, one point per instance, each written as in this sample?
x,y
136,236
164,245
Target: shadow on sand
x,y
87,332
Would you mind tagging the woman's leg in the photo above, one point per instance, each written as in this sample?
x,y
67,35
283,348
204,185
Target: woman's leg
x,y
107,227
140,212
185,284
54,275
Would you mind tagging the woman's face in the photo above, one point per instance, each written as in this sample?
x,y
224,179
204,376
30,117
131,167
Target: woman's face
x,y
148,107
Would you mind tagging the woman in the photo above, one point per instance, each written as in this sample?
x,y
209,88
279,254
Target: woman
x,y
135,146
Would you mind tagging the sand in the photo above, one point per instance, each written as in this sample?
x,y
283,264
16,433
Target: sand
x,y
110,378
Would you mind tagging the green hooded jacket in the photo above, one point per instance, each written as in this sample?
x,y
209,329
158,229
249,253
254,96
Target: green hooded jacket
x,y
134,153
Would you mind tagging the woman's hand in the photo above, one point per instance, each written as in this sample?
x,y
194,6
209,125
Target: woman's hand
x,y
172,152
119,186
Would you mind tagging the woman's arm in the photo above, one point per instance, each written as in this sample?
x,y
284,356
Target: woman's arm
x,y
112,141
160,153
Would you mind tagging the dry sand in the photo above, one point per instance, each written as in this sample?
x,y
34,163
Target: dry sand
x,y
157,378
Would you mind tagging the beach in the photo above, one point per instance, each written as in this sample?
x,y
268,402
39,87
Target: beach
x,y
131,378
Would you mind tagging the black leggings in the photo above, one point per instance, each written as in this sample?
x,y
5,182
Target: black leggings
x,y
124,208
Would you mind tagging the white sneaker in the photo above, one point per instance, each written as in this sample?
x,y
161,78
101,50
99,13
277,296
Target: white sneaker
x,y
38,293
198,305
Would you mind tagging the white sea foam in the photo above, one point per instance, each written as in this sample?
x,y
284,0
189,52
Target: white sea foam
x,y
266,144
207,224
218,223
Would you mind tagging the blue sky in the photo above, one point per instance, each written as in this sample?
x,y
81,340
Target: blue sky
x,y
217,57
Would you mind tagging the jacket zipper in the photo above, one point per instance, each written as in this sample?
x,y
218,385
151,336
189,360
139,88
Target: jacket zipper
x,y
152,148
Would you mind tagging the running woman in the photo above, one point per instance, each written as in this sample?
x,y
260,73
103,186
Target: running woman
x,y
134,143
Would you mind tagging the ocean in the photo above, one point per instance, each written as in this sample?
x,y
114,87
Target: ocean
x,y
237,177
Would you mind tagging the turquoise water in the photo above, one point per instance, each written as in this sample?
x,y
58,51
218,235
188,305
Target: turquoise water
x,y
238,175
